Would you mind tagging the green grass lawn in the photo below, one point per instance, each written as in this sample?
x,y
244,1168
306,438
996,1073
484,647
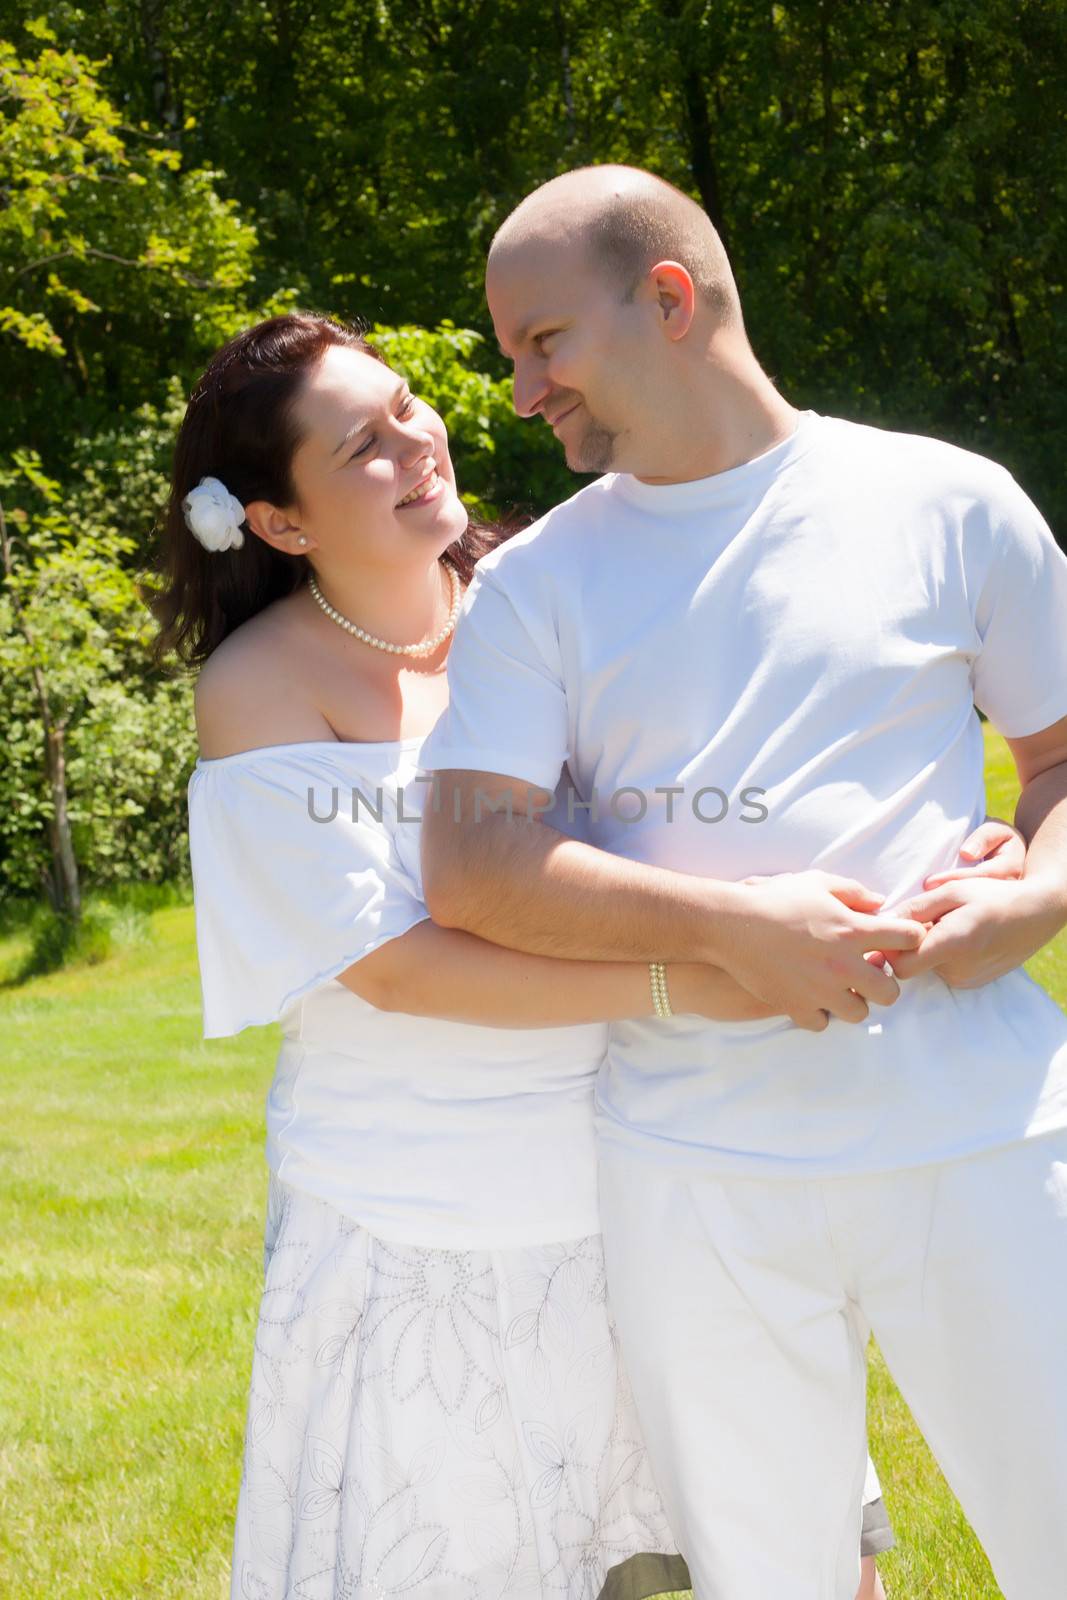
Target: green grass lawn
x,y
131,1187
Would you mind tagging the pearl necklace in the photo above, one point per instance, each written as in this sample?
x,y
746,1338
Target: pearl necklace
x,y
427,646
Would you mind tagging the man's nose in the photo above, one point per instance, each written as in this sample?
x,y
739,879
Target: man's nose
x,y
528,388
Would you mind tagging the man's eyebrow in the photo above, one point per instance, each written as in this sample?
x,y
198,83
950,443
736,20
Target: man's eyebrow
x,y
364,422
521,334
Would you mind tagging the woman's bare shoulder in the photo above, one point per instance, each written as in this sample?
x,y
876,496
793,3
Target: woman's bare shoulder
x,y
251,691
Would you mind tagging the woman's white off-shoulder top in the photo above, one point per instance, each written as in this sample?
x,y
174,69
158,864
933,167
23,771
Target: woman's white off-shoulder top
x,y
305,859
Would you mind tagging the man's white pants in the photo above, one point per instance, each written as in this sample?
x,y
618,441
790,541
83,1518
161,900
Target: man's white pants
x,y
743,1305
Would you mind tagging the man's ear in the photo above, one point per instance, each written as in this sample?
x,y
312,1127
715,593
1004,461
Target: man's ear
x,y
671,286
277,528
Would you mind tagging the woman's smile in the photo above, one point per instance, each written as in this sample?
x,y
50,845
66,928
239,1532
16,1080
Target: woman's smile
x,y
423,492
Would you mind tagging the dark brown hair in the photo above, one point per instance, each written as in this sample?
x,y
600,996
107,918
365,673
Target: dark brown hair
x,y
240,427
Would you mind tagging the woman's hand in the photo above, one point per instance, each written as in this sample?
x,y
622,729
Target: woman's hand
x,y
703,991
993,850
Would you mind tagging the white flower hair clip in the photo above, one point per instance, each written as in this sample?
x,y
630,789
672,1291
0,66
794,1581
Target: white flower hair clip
x,y
214,516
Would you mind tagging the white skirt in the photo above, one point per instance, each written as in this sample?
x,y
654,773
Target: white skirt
x,y
439,1424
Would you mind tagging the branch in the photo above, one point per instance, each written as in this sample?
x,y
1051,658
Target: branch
x,y
121,261
45,261
5,544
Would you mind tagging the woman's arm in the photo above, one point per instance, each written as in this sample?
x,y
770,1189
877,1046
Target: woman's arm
x,y
442,972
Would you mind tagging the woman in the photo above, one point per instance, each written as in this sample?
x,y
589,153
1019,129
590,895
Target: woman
x,y
437,1407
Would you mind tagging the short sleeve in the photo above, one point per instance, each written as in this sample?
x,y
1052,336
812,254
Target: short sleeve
x,y
507,710
1020,670
287,896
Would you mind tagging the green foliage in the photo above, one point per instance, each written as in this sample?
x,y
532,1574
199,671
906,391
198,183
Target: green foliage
x,y
891,180
119,474
129,733
57,941
112,254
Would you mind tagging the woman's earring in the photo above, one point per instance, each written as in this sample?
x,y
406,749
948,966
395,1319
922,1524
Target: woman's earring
x,y
302,541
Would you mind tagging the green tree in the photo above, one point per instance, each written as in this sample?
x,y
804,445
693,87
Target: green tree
x,y
890,178
115,263
98,745
69,607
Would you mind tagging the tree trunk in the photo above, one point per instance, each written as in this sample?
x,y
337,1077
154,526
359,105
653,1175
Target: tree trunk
x,y
63,883
66,885
566,82
159,75
826,76
702,152
698,125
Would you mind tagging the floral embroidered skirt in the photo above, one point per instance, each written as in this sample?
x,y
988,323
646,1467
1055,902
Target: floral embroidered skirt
x,y
439,1424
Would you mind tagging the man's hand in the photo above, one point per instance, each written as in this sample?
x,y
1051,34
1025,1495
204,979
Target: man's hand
x,y
799,944
979,929
994,850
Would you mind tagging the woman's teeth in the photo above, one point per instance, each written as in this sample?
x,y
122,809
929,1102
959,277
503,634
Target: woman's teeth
x,y
420,489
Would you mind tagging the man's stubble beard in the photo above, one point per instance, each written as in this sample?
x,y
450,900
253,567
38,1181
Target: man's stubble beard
x,y
595,450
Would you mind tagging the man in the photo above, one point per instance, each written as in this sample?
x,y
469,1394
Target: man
x,y
758,643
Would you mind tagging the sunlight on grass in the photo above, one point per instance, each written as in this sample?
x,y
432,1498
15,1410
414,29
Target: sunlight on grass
x,y
132,1182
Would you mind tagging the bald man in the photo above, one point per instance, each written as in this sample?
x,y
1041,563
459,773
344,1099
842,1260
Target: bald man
x,y
759,642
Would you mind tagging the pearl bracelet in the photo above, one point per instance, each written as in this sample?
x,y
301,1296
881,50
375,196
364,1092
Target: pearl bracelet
x,y
661,1000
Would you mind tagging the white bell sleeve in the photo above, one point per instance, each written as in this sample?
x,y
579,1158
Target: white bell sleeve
x,y
286,899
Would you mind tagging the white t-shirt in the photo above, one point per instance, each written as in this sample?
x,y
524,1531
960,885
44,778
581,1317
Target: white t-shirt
x,y
305,859
797,646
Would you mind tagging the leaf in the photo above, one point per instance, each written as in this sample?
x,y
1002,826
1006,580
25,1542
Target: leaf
x,y
273,1542
521,1328
426,1462
398,1508
576,1435
489,1411
381,1466
557,1326
253,1587
594,1364
331,1350
447,1362
546,1488
543,1444
574,1279
540,1374
414,1559
262,1423
624,1473
316,1502
325,1464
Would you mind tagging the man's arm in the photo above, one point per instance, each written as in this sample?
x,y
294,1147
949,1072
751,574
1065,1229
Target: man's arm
x,y
796,942
983,928
1041,815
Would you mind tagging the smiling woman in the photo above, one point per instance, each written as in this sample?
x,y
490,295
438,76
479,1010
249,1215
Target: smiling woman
x,y
259,425
433,1308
